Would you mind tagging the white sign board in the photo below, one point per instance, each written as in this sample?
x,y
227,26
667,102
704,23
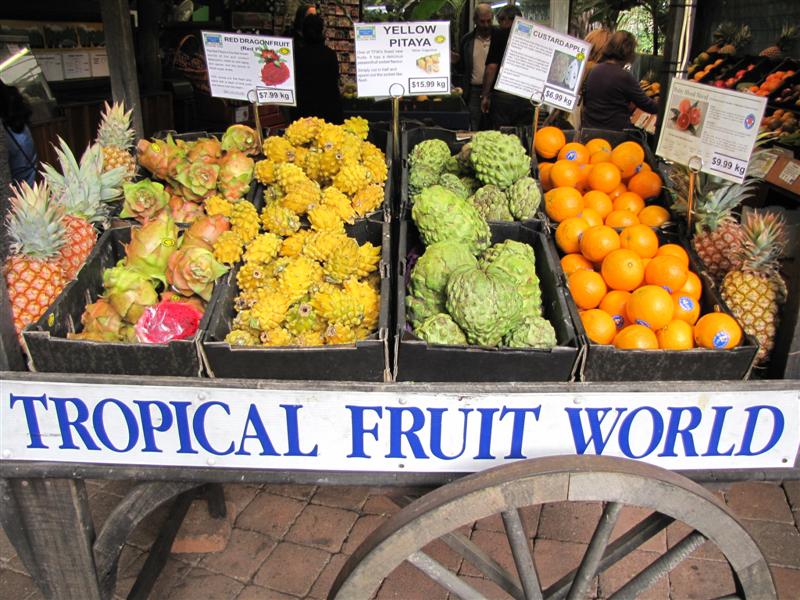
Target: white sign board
x,y
543,65
403,59
390,431
51,65
76,65
238,64
716,124
99,63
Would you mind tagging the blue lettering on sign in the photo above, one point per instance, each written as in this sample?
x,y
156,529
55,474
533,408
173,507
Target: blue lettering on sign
x,y
716,432
146,418
30,417
130,421
750,429
259,433
66,424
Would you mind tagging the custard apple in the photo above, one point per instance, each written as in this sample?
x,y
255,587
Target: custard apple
x,y
432,270
513,260
421,177
418,310
491,203
484,305
472,184
533,332
455,185
452,165
431,153
441,215
498,158
524,198
531,299
441,329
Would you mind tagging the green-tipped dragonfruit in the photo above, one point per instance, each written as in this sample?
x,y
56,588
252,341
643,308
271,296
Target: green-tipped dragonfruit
x,y
193,270
205,150
241,138
151,245
195,180
143,200
185,211
205,231
196,301
159,156
129,292
235,175
100,317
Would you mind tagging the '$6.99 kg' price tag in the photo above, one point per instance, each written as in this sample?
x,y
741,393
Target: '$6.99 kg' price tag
x,y
559,99
435,85
728,164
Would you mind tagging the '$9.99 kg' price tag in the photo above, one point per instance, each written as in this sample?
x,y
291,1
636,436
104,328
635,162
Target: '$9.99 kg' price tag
x,y
728,165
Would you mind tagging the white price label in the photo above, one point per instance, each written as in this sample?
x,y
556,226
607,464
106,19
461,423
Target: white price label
x,y
275,96
428,84
721,163
556,98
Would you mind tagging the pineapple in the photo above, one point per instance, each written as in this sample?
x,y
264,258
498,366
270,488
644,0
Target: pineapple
x,y
82,189
34,270
788,35
739,40
722,35
754,291
115,137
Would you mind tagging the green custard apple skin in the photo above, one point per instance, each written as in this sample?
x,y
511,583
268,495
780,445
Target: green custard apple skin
x,y
533,332
513,260
421,177
418,310
455,185
441,215
432,270
452,165
485,306
491,203
441,329
524,198
431,153
498,159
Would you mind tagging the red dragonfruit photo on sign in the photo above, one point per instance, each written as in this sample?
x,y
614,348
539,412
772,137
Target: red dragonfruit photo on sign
x,y
275,70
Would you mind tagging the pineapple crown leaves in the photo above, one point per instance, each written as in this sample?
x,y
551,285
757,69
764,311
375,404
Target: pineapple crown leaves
x,y
765,242
115,126
725,33
35,223
788,35
82,188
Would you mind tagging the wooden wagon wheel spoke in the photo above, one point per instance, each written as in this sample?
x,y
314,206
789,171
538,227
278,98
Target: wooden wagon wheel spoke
x,y
507,489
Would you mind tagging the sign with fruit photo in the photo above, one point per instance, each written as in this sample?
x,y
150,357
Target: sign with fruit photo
x,y
250,67
403,59
716,125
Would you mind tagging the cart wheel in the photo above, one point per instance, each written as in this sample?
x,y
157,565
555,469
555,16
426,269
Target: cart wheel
x,y
506,489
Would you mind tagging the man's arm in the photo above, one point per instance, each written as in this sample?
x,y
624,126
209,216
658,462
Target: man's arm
x,y
489,73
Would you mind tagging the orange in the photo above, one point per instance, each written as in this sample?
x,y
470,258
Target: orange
x,y
544,175
568,234
686,308
599,326
676,335
583,177
653,216
573,262
562,203
641,239
630,201
676,251
574,151
598,145
627,156
666,271
644,168
587,288
614,304
548,141
646,183
620,189
622,270
650,306
621,218
597,242
636,337
591,216
565,173
600,157
717,331
599,201
693,286
604,177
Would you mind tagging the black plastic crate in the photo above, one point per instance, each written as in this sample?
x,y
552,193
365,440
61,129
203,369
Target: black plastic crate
x,y
456,140
416,360
366,360
50,350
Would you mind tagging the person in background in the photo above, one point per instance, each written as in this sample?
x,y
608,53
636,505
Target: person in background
x,y
15,114
503,108
598,39
296,30
317,75
610,89
473,50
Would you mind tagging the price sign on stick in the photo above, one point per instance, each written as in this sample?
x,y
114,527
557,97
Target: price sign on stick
x,y
718,125
403,59
238,64
541,62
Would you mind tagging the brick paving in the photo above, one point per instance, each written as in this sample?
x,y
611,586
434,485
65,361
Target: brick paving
x,y
288,542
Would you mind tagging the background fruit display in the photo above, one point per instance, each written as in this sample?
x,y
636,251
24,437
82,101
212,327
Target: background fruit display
x,y
491,172
303,280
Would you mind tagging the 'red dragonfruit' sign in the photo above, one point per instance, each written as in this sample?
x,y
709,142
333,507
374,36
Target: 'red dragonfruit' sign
x,y
250,67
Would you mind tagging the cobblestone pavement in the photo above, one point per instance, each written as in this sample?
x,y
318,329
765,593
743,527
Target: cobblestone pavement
x,y
287,541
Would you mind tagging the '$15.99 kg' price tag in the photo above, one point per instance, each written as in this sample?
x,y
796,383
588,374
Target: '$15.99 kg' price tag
x,y
559,99
429,85
728,165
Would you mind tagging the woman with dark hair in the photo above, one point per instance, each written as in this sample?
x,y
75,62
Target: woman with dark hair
x,y
317,75
15,114
610,89
296,30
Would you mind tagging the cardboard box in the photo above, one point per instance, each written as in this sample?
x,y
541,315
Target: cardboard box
x,y
785,174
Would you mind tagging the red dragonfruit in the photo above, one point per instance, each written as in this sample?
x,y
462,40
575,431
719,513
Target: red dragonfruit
x,y
151,245
143,200
159,156
129,292
205,150
235,175
193,270
241,138
196,301
185,211
205,231
101,322
195,180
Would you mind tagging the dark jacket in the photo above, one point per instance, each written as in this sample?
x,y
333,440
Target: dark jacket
x,y
608,91
465,63
317,83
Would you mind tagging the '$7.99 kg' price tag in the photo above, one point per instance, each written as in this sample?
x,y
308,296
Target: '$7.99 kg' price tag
x,y
729,165
274,96
430,85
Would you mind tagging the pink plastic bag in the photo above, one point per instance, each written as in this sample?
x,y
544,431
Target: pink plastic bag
x,y
167,321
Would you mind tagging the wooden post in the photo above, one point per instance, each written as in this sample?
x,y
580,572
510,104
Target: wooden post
x,y
149,13
121,60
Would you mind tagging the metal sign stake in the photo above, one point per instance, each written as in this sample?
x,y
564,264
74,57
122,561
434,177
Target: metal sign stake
x,y
695,164
256,117
396,118
536,102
